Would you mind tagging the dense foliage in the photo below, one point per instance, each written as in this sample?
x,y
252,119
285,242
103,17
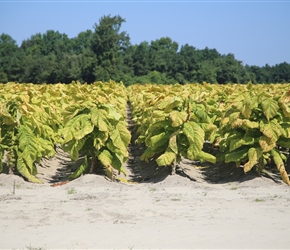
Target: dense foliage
x,y
87,120
246,124
106,53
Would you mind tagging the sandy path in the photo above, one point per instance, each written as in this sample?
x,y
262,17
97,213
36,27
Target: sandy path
x,y
92,212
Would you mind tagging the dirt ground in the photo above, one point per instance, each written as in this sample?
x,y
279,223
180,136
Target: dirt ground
x,y
169,212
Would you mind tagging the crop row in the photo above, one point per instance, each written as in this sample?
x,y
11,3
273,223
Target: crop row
x,y
84,119
245,124
248,124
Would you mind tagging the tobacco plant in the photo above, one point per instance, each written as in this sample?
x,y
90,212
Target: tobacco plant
x,y
254,126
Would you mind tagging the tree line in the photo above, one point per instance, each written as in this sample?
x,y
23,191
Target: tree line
x,y
106,53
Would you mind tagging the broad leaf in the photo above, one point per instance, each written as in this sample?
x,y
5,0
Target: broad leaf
x,y
204,156
24,170
247,107
166,159
177,118
99,119
270,130
266,143
270,107
78,127
236,156
105,158
195,136
238,142
124,133
160,140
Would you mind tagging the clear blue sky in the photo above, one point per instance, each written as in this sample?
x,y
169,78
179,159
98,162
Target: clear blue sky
x,y
256,32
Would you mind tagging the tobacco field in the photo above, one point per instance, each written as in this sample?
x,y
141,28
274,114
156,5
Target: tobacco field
x,y
244,124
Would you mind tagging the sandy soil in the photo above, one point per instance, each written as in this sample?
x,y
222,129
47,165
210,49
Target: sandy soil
x,y
92,212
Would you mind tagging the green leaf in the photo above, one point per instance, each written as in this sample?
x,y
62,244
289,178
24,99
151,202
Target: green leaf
x,y
238,142
284,142
172,145
160,140
204,156
286,127
111,112
247,107
158,126
193,151
148,153
270,107
236,156
195,136
24,170
74,147
32,147
117,163
234,116
105,158
100,139
271,130
80,170
99,119
166,159
194,133
118,142
177,117
111,160
78,127
124,133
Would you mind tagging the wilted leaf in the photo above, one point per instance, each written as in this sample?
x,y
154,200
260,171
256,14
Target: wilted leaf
x,y
266,143
270,130
254,154
280,165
